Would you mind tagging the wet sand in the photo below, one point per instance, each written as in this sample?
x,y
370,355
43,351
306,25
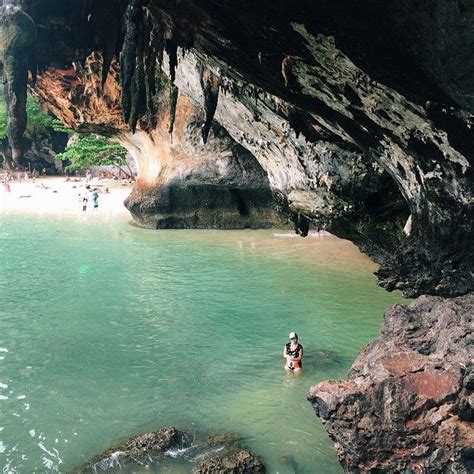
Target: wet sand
x,y
58,196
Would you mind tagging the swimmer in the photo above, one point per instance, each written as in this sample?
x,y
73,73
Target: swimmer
x,y
293,353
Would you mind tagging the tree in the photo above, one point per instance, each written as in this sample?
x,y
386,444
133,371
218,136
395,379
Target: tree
x,y
94,150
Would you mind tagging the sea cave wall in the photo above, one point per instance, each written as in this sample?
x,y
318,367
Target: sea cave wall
x,y
355,117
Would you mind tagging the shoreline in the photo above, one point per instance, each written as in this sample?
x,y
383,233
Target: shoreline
x,y
55,195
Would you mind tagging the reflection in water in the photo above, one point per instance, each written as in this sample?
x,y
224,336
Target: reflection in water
x,y
110,330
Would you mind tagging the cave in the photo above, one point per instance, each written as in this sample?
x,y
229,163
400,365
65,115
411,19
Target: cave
x,y
353,117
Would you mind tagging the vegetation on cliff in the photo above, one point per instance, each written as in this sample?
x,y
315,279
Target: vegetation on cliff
x,y
39,121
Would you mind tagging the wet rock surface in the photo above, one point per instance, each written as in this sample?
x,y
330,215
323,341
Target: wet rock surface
x,y
408,400
204,206
223,453
240,462
143,450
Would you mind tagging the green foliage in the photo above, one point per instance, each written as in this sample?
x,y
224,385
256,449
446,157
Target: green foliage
x,y
3,117
93,150
59,126
39,121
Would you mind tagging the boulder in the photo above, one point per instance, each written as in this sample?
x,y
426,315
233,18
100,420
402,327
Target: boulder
x,y
237,463
408,402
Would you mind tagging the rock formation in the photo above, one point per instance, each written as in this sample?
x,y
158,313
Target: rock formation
x,y
17,34
147,451
239,463
408,404
39,150
353,116
357,128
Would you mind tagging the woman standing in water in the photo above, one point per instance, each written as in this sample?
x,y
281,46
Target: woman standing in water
x,y
293,353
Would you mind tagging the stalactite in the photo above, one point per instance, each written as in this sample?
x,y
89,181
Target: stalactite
x,y
150,54
33,66
160,47
173,102
143,45
171,48
17,34
210,88
128,59
107,23
138,104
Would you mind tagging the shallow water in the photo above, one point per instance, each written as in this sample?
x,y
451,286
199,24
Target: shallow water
x,y
108,330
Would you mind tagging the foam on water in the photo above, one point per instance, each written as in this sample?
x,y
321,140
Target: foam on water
x,y
112,462
175,453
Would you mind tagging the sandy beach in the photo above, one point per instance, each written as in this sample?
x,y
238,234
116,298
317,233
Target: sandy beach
x,y
55,195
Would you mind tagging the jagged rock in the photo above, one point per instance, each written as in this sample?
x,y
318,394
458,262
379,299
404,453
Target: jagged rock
x,y
78,97
142,450
223,452
408,402
238,463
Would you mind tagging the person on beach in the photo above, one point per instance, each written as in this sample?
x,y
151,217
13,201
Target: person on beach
x,y
84,203
293,353
95,198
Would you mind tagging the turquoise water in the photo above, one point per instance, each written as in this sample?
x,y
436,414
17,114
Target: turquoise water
x,y
108,330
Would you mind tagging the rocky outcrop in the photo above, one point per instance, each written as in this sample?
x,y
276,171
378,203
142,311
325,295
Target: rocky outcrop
x,y
143,450
408,402
17,34
295,107
39,151
223,453
239,463
181,182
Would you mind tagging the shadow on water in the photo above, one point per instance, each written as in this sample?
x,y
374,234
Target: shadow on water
x,y
324,360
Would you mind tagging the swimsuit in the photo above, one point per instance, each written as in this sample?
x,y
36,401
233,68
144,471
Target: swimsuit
x,y
294,353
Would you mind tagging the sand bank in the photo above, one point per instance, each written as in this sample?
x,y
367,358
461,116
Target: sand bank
x,y
57,196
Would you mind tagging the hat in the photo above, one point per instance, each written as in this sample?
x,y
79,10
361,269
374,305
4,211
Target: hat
x,y
292,335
